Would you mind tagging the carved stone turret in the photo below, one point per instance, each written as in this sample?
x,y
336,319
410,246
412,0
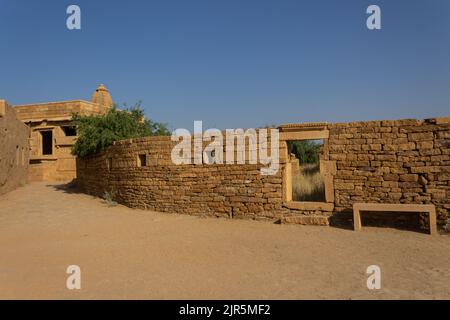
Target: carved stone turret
x,y
101,96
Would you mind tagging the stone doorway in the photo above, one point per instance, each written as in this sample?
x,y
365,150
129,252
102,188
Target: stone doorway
x,y
47,142
307,183
307,180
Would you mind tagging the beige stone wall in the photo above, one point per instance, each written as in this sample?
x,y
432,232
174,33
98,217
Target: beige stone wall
x,y
405,161
52,116
61,165
57,111
14,150
217,190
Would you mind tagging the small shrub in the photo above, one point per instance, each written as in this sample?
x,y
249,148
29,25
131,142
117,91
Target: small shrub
x,y
109,198
447,225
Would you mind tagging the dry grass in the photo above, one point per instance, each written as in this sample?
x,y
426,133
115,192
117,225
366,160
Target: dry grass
x,y
447,225
308,184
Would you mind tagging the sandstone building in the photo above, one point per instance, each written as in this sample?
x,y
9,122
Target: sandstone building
x,y
52,134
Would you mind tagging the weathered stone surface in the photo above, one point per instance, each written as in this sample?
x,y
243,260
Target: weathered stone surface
x,y
238,191
409,177
423,181
390,177
305,220
14,150
394,161
423,136
413,156
54,118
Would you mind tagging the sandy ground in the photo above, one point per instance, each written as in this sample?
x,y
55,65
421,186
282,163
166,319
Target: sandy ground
x,y
134,254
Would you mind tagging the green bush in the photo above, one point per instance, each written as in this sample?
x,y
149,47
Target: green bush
x,y
307,151
97,132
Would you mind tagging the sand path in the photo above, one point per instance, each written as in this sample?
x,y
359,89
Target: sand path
x,y
135,254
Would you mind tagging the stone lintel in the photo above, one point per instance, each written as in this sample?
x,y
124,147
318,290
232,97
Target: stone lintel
x,y
303,126
304,135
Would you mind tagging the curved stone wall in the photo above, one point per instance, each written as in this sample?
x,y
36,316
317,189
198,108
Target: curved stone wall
x,y
403,161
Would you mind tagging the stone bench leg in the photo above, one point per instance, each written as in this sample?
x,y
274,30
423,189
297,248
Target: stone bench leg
x,y
432,219
356,219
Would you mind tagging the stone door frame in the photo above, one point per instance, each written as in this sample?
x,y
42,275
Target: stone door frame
x,y
307,131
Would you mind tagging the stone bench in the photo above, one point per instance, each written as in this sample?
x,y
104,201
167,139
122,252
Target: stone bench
x,y
388,207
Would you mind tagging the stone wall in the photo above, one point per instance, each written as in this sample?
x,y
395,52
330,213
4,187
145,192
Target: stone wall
x,y
218,190
14,150
53,117
57,111
404,161
61,164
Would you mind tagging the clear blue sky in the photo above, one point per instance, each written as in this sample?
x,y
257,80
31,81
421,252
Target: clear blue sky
x,y
233,63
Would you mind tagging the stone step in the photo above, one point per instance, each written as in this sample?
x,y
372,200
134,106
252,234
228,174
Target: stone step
x,y
316,220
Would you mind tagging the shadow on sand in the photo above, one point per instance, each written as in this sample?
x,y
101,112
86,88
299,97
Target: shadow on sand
x,y
342,220
398,221
69,187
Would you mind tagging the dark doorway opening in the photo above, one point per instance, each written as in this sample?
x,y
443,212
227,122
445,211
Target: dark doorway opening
x,y
47,142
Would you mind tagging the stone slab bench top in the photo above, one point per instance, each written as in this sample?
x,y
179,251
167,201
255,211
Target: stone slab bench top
x,y
392,207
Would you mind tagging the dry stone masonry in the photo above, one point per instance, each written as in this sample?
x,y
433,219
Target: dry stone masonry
x,y
393,161
52,134
217,190
403,161
14,150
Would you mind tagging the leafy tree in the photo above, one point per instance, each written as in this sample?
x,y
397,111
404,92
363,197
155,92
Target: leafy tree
x,y
307,151
96,132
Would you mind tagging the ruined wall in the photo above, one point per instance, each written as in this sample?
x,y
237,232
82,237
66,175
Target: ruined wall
x,y
60,165
57,111
403,161
52,116
218,190
14,150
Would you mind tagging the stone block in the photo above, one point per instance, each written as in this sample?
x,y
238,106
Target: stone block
x,y
344,186
307,220
391,177
420,136
409,177
425,144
